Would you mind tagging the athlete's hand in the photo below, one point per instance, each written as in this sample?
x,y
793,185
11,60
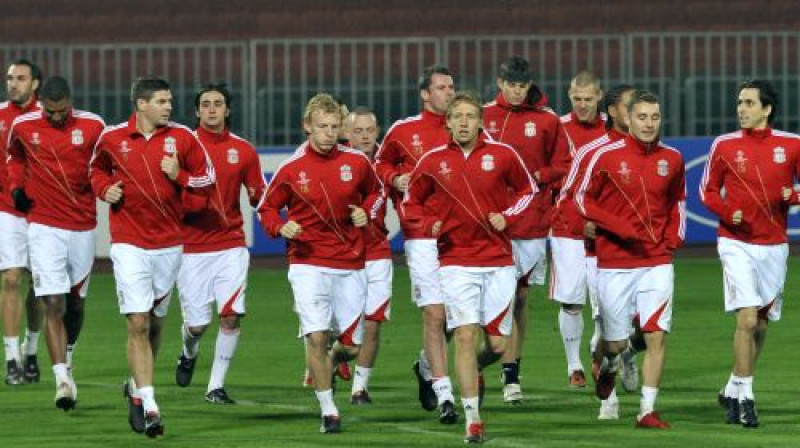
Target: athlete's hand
x,y
537,176
170,166
590,230
437,228
114,193
290,230
358,216
787,193
736,218
497,221
401,182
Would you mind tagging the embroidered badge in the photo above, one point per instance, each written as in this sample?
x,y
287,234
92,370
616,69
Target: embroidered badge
x,y
35,139
303,182
740,161
233,156
444,170
416,144
492,129
530,129
124,149
779,155
346,173
169,145
77,137
662,168
487,162
624,172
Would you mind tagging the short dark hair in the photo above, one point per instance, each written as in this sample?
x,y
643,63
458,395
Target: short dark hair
x,y
36,72
425,79
766,94
144,87
222,89
612,98
516,69
642,96
55,88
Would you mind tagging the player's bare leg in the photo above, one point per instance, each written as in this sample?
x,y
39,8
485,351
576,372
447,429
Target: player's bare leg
x,y
435,346
144,339
224,350
12,315
466,364
73,322
35,315
652,368
56,337
365,361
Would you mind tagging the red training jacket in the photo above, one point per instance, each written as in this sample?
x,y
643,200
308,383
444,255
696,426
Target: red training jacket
x,y
150,212
404,144
472,187
8,112
213,220
636,194
753,166
318,191
536,133
52,165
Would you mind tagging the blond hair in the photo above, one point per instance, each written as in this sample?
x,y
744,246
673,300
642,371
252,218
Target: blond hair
x,y
321,102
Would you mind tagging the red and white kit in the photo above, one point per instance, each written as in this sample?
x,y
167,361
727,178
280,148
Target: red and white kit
x,y
215,256
14,237
51,164
477,265
326,260
753,167
536,133
379,269
404,144
146,231
636,194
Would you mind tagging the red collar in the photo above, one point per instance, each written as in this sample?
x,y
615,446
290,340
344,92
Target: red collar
x,y
589,124
644,148
134,131
432,117
758,133
215,137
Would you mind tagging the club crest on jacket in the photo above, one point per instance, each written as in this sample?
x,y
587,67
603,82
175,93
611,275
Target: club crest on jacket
x,y
77,137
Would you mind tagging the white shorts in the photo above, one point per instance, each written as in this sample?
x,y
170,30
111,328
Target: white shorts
x,y
13,242
61,260
479,295
379,290
212,277
623,293
145,277
753,276
591,284
530,260
422,257
568,273
328,299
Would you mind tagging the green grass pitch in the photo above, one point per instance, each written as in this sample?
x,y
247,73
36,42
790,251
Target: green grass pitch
x,y
274,410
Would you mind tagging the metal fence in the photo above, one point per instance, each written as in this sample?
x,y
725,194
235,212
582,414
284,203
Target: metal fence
x,y
695,74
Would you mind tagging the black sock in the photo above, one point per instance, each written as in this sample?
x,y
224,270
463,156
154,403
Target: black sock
x,y
511,372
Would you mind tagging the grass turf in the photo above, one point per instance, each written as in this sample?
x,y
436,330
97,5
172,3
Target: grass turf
x,y
274,410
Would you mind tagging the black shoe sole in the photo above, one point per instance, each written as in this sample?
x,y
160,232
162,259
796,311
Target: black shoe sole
x,y
426,399
448,419
137,426
65,403
154,430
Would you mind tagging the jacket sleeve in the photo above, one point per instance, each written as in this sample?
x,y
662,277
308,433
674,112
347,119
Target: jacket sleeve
x,y
276,196
196,170
593,182
523,186
388,159
675,230
374,194
560,150
420,188
101,174
17,162
712,183
254,181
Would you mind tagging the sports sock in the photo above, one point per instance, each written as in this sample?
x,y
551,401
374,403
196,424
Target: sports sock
x,y
471,409
746,388
61,373
190,343
510,373
361,378
732,388
133,390
612,396
70,353
648,402
595,337
11,345
223,353
443,389
148,395
425,366
571,326
326,404
31,342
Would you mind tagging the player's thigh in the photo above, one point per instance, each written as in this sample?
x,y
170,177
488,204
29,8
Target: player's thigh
x,y
165,265
739,274
13,242
230,281
49,255
81,260
654,298
349,297
195,293
568,274
616,289
498,296
463,289
422,256
133,278
313,301
378,306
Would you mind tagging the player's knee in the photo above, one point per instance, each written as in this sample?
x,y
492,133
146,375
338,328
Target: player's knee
x,y
138,325
747,320
230,323
199,330
615,347
317,341
12,278
433,315
572,308
498,344
465,335
54,305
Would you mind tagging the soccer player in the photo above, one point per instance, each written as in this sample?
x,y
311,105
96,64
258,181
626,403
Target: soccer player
x,y
757,168
519,117
474,175
405,142
634,190
568,274
362,132
141,167
23,80
49,177
570,225
331,193
215,256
